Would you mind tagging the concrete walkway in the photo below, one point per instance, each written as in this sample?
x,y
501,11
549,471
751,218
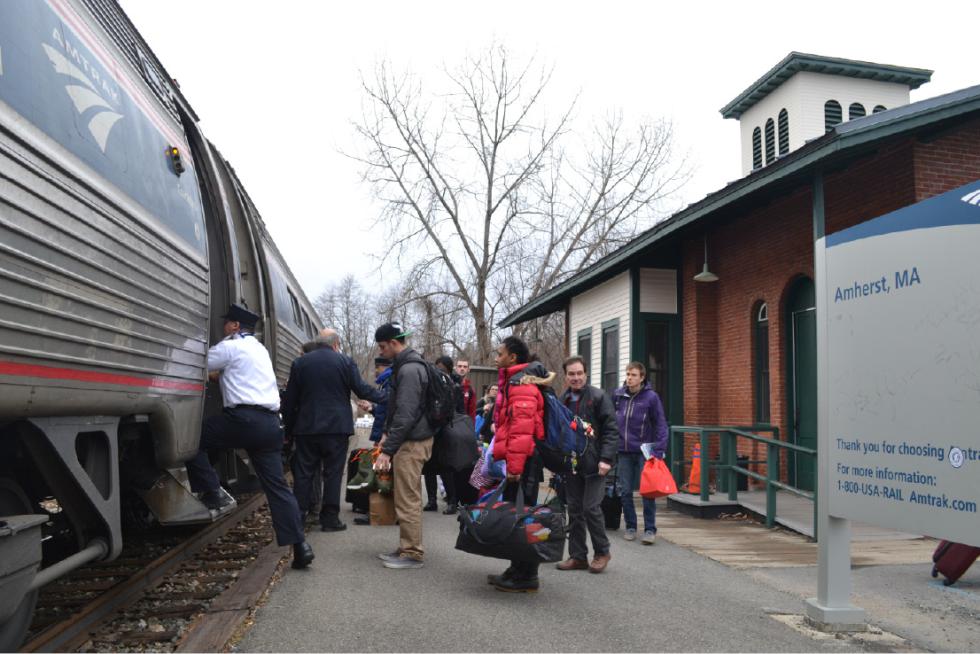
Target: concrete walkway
x,y
707,585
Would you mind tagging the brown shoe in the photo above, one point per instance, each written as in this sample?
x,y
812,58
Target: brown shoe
x,y
599,563
573,564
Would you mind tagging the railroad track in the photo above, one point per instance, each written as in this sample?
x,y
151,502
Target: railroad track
x,y
159,600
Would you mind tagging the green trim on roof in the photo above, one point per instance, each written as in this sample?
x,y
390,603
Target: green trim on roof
x,y
796,62
798,163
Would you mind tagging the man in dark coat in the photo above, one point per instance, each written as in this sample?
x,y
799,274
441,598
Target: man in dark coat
x,y
318,417
584,489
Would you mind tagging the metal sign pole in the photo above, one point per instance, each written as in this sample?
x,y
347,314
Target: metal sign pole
x,y
831,609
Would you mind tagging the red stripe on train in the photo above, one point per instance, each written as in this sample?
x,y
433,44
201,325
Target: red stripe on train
x,y
49,372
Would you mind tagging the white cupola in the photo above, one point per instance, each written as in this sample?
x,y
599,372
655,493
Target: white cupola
x,y
804,96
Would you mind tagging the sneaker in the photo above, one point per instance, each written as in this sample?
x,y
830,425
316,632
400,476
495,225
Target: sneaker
x,y
390,556
402,563
649,538
629,534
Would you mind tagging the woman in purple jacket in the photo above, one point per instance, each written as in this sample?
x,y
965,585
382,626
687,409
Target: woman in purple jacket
x,y
640,415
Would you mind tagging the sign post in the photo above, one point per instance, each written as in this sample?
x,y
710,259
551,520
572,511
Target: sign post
x,y
898,319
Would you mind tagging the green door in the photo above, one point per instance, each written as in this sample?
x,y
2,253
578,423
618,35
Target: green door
x,y
657,345
802,358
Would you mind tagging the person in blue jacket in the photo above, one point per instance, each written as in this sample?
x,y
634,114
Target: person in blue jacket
x,y
640,416
382,370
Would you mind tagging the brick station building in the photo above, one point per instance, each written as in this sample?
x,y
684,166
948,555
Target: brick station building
x,y
718,300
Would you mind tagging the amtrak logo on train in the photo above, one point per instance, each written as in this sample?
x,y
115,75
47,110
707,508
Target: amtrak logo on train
x,y
89,90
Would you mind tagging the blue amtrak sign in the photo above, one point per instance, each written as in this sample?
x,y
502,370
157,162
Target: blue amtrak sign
x,y
58,74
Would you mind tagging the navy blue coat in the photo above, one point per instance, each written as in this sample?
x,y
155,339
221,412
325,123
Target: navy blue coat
x,y
380,409
317,398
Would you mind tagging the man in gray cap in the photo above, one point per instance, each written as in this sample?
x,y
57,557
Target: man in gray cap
x,y
250,421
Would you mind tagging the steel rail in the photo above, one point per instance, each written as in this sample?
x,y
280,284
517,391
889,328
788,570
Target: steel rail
x,y
71,633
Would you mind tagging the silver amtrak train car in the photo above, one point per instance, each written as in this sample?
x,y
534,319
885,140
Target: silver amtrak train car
x,y
123,237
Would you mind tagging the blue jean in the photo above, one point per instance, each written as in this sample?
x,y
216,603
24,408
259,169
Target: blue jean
x,y
629,467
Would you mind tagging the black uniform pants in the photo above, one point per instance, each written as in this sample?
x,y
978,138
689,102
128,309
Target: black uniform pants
x,y
258,432
312,451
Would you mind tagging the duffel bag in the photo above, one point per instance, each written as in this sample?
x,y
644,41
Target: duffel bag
x,y
512,531
456,446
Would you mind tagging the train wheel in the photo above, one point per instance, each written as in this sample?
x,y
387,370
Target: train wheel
x,y
13,501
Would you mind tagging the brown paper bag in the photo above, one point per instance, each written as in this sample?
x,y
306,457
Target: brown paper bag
x,y
381,509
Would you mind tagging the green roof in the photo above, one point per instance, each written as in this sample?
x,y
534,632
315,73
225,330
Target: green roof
x,y
796,62
842,142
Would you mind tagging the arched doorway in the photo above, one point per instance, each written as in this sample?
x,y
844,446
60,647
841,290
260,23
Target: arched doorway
x,y
801,391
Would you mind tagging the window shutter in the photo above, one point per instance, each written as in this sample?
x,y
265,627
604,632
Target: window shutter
x,y
783,132
832,114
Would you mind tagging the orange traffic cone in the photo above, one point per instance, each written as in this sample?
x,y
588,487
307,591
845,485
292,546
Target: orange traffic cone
x,y
694,481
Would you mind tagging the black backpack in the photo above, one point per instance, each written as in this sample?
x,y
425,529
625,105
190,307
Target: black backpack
x,y
439,398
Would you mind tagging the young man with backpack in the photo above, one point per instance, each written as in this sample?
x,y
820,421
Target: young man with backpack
x,y
519,419
584,489
407,441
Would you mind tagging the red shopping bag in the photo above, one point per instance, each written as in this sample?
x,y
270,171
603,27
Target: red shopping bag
x,y
656,480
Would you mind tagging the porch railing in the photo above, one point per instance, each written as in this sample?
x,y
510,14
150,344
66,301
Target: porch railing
x,y
727,466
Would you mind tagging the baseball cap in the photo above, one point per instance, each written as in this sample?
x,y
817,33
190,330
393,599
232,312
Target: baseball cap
x,y
391,331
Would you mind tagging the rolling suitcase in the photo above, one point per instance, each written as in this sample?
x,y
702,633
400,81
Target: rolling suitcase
x,y
359,500
612,505
951,560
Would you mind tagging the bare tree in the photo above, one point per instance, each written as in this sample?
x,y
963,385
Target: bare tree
x,y
482,187
348,308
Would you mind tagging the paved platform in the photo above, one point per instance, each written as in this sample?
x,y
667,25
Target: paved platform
x,y
735,576
707,585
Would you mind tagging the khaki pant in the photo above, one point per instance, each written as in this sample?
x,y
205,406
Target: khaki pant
x,y
407,464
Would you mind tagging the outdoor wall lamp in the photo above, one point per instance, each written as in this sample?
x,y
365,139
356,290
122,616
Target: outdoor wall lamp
x,y
706,275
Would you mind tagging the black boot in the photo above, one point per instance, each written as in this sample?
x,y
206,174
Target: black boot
x,y
517,585
302,555
452,507
506,574
431,505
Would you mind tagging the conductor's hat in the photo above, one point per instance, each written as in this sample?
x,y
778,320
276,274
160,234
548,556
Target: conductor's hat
x,y
241,315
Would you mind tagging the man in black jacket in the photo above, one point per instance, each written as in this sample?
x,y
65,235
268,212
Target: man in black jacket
x,y
318,416
407,442
585,487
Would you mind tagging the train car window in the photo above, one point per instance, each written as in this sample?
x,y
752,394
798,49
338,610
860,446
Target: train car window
x,y
295,306
307,325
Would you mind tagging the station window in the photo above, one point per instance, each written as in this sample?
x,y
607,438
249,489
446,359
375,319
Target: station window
x,y
856,110
770,141
832,114
756,148
760,329
783,132
610,356
584,350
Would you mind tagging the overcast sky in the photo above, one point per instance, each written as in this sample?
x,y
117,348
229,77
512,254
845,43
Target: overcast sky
x,y
276,84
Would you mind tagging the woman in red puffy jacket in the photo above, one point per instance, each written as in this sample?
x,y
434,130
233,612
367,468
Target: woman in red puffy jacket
x,y
519,422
